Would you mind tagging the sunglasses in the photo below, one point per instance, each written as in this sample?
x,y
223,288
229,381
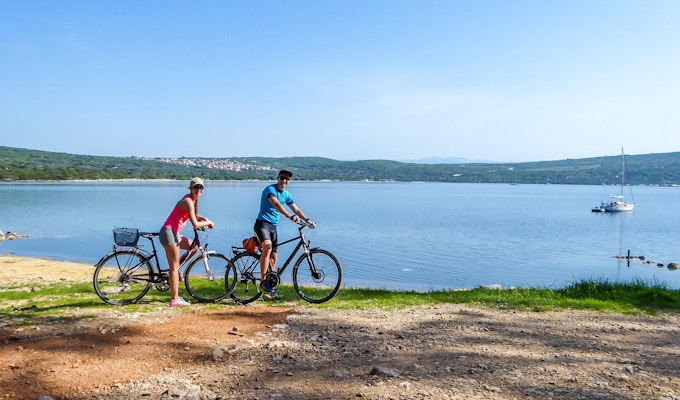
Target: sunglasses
x,y
197,187
284,178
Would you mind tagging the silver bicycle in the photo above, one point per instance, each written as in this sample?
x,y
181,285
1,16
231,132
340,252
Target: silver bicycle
x,y
127,273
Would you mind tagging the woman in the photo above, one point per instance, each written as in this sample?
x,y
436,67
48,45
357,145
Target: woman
x,y
185,210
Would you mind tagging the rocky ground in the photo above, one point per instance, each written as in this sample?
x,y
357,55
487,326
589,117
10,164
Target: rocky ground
x,y
268,351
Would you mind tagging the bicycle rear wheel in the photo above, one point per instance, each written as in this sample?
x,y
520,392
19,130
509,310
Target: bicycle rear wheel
x,y
122,277
248,277
211,282
317,276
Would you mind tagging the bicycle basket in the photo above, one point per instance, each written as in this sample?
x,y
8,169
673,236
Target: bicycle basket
x,y
125,236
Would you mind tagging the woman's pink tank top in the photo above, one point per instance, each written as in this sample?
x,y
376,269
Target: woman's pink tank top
x,y
177,218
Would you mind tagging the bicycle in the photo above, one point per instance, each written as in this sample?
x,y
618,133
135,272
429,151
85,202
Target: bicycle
x,y
127,273
317,273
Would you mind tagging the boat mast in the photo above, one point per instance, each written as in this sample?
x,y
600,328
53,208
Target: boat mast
x,y
623,170
623,180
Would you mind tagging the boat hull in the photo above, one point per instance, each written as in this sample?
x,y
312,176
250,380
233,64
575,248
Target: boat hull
x,y
619,206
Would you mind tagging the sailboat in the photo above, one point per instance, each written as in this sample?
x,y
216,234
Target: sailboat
x,y
616,201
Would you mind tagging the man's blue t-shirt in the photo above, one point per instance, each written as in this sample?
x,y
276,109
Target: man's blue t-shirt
x,y
267,211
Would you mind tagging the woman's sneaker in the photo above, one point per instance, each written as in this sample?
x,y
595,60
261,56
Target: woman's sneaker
x,y
179,303
266,288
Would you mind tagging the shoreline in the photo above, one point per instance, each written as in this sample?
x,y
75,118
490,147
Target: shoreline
x,y
18,270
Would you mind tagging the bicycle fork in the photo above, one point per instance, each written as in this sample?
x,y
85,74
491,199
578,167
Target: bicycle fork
x,y
205,256
317,275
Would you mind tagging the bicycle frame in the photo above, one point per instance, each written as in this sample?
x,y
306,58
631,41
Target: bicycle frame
x,y
274,276
302,243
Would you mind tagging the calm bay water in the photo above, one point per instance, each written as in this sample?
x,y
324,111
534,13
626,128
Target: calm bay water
x,y
417,236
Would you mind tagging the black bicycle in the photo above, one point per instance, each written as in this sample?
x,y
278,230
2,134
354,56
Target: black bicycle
x,y
317,273
127,273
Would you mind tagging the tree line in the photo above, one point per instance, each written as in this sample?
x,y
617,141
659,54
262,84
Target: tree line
x,y
17,164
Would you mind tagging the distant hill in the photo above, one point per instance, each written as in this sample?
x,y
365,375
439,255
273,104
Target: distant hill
x,y
447,160
31,165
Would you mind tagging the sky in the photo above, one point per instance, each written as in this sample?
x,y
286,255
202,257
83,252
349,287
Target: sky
x,y
509,81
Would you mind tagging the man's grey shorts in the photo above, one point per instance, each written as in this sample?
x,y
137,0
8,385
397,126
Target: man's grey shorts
x,y
168,237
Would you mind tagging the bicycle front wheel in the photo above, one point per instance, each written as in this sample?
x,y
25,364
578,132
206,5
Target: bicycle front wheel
x,y
317,276
211,278
122,277
248,277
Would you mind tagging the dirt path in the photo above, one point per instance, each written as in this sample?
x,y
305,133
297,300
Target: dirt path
x,y
290,352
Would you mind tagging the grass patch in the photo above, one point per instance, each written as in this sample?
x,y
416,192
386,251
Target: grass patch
x,y
34,303
598,295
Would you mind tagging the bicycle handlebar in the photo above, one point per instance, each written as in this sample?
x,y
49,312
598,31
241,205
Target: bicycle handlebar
x,y
304,224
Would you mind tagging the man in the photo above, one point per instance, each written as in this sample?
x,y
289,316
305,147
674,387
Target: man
x,y
272,202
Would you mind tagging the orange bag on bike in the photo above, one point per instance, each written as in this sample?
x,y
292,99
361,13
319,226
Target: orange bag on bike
x,y
251,244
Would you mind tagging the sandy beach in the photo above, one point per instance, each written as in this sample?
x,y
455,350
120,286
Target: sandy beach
x,y
16,270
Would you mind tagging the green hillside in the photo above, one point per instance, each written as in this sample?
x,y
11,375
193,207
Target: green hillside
x,y
647,169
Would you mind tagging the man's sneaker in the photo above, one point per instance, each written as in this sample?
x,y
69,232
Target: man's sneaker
x,y
179,303
266,288
274,294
